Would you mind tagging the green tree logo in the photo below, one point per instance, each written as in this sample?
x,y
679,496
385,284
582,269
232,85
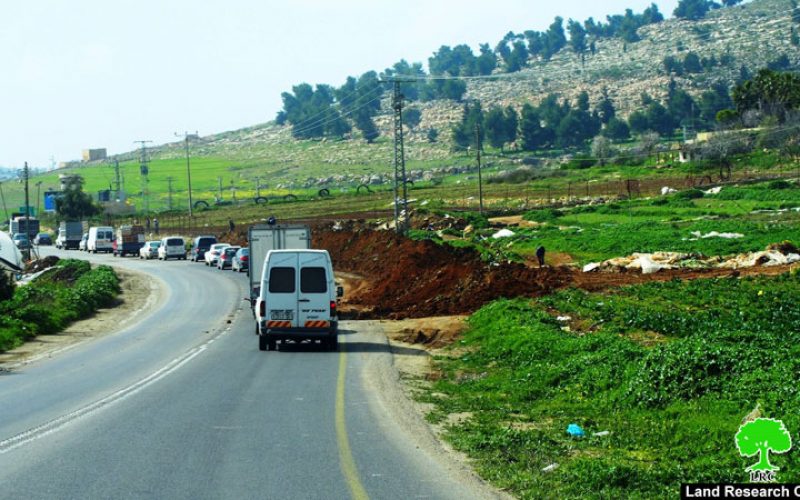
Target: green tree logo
x,y
762,436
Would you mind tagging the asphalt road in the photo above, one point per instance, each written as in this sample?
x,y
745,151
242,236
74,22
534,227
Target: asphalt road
x,y
182,404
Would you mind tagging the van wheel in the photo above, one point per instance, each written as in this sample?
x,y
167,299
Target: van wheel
x,y
262,343
273,345
333,343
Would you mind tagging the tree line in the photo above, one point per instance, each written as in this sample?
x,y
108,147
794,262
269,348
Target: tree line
x,y
330,112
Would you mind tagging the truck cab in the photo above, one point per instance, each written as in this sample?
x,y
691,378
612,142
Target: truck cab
x,y
297,299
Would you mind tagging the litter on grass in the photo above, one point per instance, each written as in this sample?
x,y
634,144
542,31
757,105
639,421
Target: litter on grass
x,y
503,233
575,430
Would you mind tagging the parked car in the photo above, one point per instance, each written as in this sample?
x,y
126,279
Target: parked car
x,y
21,241
212,254
43,239
226,257
200,246
172,247
84,242
149,250
241,260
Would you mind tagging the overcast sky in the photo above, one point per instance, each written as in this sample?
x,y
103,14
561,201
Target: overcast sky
x,y
105,73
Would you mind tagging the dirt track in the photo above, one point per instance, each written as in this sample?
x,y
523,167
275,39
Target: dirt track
x,y
414,279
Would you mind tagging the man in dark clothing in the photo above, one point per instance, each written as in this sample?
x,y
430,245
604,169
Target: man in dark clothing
x,y
155,225
231,225
540,255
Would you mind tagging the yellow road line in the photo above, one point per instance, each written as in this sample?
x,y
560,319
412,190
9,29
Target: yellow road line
x,y
346,461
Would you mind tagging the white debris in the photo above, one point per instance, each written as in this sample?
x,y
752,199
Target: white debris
x,y
715,190
601,433
503,233
563,318
715,234
550,468
668,190
591,267
648,265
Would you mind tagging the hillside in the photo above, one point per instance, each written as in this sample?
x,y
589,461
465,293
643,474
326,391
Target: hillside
x,y
749,35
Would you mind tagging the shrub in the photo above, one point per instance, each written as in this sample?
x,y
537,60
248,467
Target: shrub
x,y
780,184
689,194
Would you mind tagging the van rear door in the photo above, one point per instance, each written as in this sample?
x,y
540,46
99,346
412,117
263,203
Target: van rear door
x,y
282,289
313,298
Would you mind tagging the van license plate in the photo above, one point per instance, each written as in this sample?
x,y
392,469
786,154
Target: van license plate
x,y
282,314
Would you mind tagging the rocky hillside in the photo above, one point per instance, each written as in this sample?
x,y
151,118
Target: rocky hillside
x,y
749,35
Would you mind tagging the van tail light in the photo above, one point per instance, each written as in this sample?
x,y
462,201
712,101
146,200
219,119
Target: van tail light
x,y
333,308
263,309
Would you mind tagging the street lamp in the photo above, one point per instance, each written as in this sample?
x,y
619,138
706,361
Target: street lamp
x,y
186,137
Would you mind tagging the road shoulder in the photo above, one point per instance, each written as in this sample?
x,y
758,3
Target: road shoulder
x,y
139,293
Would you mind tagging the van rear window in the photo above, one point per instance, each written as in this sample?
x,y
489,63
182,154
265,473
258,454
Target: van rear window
x,y
313,280
174,242
281,280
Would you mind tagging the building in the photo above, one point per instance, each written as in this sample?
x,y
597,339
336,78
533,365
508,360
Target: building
x,y
94,154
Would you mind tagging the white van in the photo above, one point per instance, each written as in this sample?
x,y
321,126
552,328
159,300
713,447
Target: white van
x,y
172,247
297,299
100,239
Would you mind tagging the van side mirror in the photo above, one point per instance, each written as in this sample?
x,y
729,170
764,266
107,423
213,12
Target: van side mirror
x,y
340,291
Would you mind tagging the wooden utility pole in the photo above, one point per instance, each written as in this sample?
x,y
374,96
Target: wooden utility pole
x,y
480,178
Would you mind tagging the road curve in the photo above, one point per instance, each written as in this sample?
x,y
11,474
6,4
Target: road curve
x,y
182,404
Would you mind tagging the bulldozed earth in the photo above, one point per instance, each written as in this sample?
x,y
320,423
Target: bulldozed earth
x,y
392,277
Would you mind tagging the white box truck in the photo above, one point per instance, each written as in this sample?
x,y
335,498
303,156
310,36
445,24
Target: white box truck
x,y
262,238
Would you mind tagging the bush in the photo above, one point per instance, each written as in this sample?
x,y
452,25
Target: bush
x,y
6,286
689,194
544,215
780,184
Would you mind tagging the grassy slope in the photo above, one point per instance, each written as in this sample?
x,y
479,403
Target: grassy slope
x,y
670,369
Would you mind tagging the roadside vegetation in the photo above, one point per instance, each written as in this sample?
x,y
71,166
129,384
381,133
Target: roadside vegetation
x,y
70,291
668,369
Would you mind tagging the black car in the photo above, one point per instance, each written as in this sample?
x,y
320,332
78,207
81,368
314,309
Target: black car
x,y
199,247
43,239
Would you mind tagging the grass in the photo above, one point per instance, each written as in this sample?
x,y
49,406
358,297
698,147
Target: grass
x,y
762,213
669,369
66,293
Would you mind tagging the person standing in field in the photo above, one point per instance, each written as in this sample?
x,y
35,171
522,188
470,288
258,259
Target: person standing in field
x,y
540,255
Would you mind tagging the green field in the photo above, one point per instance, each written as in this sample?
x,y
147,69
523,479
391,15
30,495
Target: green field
x,y
669,370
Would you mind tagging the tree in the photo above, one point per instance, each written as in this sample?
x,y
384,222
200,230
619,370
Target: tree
x,y
605,108
672,65
648,142
487,61
638,122
412,117
602,149
693,9
712,102
532,134
432,135
795,12
659,119
770,93
555,39
617,130
495,125
692,63
367,127
73,203
464,132
760,437
577,37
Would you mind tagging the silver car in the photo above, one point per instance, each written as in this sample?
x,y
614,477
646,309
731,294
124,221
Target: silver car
x,y
149,250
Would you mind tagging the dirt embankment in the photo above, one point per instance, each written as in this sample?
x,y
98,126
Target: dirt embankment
x,y
414,279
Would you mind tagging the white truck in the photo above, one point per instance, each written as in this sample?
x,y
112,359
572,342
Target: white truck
x,y
262,238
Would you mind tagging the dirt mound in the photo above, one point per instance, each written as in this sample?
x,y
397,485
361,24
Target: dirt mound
x,y
41,264
415,279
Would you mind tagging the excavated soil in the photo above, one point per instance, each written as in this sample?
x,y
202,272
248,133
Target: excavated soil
x,y
415,279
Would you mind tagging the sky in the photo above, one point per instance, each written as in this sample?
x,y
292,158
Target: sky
x,y
103,74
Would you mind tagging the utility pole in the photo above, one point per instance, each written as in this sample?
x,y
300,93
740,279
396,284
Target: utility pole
x,y
3,198
144,170
258,187
219,188
26,175
38,196
478,146
400,184
169,196
117,182
186,137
